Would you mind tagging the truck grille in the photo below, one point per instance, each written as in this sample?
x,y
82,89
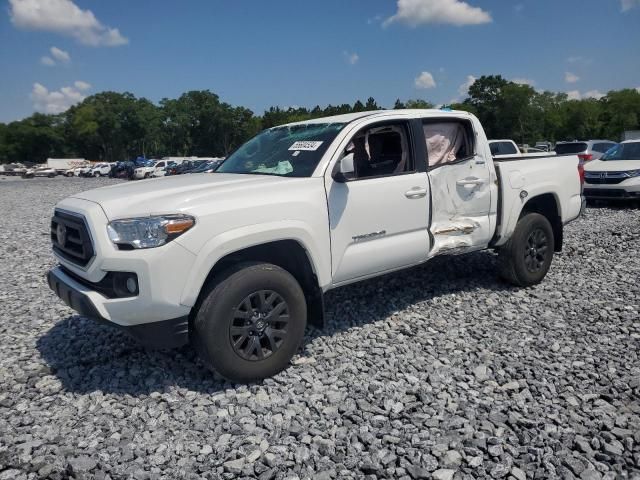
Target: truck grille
x,y
605,178
70,238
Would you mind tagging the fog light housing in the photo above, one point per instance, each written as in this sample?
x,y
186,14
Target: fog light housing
x,y
125,284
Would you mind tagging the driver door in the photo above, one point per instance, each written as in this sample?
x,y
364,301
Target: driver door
x,y
379,217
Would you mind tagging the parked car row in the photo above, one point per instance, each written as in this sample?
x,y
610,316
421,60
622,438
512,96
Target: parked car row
x,y
164,168
611,170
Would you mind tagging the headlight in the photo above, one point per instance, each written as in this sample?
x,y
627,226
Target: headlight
x,y
149,232
634,173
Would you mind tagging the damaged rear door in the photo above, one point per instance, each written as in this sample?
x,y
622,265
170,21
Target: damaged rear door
x,y
460,178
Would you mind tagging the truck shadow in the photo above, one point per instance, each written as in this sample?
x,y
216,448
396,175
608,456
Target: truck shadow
x,y
86,356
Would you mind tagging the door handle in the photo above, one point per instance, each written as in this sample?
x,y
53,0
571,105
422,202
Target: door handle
x,y
467,182
416,192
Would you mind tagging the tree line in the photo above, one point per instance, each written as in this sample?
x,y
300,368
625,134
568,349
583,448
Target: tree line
x,y
111,126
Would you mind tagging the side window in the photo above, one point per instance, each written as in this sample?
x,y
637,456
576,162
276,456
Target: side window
x,y
381,150
160,165
448,141
495,148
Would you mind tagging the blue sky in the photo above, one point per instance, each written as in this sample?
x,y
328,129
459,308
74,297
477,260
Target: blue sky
x,y
260,53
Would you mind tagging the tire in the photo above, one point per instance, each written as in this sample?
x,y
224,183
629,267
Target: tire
x,y
97,174
146,175
228,315
521,261
69,174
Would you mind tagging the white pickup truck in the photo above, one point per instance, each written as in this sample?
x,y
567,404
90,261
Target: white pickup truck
x,y
237,263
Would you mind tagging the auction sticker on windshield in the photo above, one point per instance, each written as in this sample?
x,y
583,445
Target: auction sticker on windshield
x,y
306,145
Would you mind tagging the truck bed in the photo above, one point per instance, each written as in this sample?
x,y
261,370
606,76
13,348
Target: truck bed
x,y
521,178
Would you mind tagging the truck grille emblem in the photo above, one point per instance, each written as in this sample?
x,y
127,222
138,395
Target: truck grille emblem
x,y
61,235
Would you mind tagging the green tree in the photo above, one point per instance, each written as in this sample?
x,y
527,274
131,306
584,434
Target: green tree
x,y
33,139
620,112
418,103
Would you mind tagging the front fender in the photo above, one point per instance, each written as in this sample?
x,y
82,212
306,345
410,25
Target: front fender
x,y
250,236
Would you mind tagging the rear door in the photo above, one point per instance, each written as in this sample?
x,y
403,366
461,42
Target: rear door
x,y
460,180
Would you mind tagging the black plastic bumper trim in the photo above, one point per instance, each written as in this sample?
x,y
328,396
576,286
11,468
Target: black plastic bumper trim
x,y
170,333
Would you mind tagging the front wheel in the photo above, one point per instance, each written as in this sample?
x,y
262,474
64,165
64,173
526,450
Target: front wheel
x,y
251,322
526,257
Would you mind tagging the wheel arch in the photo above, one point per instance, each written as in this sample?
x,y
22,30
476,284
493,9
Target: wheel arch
x,y
548,206
289,254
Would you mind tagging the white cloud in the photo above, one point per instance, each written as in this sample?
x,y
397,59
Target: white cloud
x,y
66,18
48,61
372,20
351,58
59,100
57,57
594,94
626,5
80,85
463,89
571,77
425,80
451,12
60,55
576,95
524,81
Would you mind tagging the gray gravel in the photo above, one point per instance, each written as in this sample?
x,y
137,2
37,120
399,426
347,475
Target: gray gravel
x,y
439,372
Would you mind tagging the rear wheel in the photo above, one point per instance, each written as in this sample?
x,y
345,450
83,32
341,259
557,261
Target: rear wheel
x,y
526,258
250,322
97,174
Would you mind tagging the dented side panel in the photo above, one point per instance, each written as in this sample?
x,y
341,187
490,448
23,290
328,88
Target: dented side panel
x,y
461,197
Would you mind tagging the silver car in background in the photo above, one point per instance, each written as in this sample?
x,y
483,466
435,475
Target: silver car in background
x,y
586,150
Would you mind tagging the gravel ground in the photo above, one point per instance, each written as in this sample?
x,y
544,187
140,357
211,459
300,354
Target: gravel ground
x,y
439,372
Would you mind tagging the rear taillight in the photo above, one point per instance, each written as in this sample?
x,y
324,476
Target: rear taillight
x,y
585,157
581,172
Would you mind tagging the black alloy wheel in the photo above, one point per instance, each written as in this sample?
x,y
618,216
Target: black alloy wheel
x,y
535,254
259,325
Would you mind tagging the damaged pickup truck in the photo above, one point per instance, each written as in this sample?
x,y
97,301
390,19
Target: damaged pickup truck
x,y
236,262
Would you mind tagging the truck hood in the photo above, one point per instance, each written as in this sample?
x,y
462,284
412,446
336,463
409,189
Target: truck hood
x,y
175,194
612,165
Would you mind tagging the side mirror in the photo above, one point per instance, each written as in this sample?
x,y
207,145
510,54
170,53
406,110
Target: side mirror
x,y
344,169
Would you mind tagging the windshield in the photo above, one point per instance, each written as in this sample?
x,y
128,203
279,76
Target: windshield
x,y
292,151
623,151
571,148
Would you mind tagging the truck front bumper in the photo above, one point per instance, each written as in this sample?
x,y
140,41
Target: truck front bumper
x,y
169,333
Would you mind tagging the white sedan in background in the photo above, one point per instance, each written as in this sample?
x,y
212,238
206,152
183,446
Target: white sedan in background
x,y
101,169
616,175
150,171
39,172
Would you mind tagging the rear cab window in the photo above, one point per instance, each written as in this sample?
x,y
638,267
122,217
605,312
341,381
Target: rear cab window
x,y
503,148
571,148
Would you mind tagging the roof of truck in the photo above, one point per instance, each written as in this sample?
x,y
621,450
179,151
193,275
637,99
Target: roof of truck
x,y
350,117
